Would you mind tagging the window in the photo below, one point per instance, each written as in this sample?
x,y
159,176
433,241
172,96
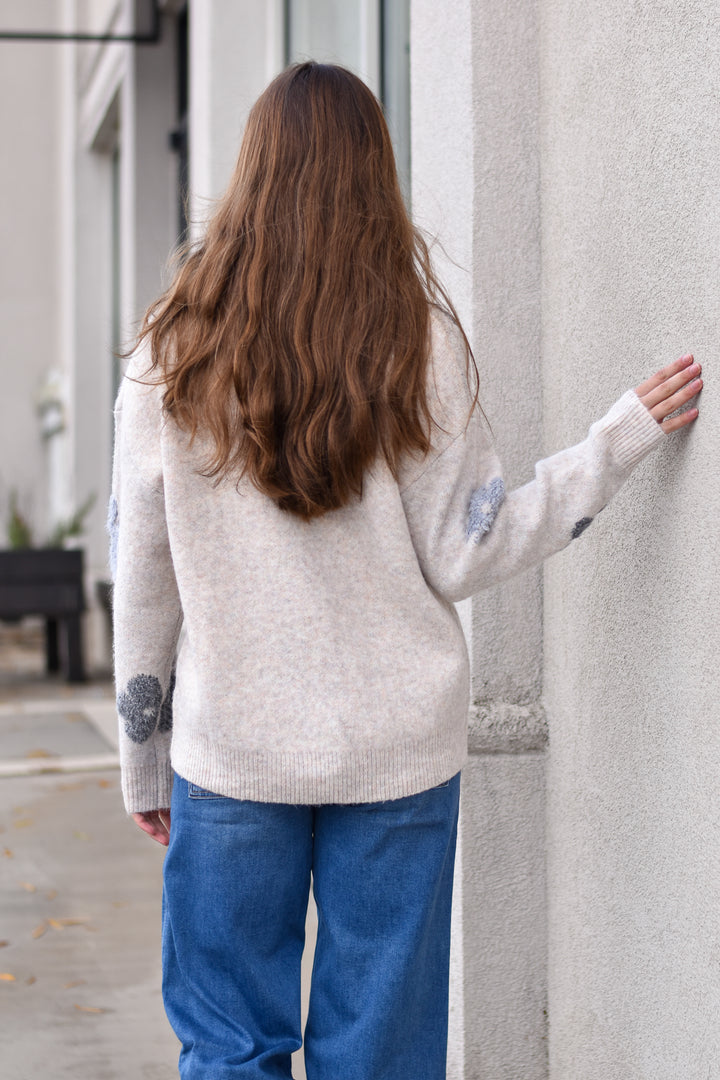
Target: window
x,y
372,38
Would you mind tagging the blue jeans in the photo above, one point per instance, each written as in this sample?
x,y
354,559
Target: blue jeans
x,y
236,885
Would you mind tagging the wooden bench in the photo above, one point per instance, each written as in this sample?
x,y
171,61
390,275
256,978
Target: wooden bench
x,y
48,582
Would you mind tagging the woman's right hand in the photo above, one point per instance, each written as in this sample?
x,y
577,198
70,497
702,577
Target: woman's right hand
x,y
670,389
156,823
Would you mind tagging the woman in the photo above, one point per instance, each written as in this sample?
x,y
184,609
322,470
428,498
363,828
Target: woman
x,y
304,484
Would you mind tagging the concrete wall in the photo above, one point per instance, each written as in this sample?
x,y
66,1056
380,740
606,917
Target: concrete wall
x,y
476,188
29,202
566,155
631,261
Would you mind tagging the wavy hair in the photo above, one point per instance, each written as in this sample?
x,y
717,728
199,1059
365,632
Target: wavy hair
x,y
296,332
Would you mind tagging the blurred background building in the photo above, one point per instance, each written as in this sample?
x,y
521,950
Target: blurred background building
x,y
565,156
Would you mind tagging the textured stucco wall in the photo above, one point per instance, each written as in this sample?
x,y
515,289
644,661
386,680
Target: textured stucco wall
x,y
579,193
475,186
631,260
442,204
506,282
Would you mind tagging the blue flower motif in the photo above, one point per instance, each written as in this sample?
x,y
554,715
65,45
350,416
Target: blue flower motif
x,y
143,707
580,527
484,505
139,706
166,709
113,524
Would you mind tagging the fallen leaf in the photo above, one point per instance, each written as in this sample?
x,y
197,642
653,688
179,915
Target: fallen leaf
x,y
105,783
89,1008
30,980
22,823
51,894
60,924
121,903
8,853
80,835
18,811
28,886
5,976
3,944
74,982
76,785
40,930
75,717
39,753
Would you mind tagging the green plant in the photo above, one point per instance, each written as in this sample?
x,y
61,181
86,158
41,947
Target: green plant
x,y
19,533
73,526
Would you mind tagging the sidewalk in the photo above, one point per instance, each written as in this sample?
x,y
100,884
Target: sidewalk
x,y
80,889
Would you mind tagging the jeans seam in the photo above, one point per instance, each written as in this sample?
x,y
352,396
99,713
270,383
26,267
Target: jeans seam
x,y
197,792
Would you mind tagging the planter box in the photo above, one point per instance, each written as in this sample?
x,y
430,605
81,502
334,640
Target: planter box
x,y
48,582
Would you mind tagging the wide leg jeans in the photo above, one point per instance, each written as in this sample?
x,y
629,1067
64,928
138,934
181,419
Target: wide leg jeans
x,y
236,885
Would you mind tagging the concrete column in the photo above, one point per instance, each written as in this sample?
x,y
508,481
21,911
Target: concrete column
x,y
631,260
29,301
155,172
475,185
84,355
113,95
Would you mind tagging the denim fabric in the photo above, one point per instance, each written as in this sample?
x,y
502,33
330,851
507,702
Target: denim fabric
x,y
236,884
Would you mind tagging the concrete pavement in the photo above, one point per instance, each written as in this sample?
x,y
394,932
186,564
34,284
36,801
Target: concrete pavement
x,y
80,903
80,889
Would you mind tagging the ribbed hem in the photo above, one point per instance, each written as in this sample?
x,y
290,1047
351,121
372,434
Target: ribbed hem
x,y
147,787
631,430
315,777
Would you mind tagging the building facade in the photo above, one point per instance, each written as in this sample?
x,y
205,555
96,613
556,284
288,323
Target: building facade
x,y
565,157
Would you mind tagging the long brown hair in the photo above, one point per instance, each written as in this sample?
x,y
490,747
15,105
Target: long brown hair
x,y
297,332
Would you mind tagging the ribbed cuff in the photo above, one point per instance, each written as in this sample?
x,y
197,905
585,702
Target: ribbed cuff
x,y
631,430
147,787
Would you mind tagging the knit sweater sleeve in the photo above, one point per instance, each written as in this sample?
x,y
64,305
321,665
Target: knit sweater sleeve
x,y
146,606
468,531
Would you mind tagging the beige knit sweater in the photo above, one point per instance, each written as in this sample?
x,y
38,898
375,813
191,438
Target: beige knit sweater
x,y
267,658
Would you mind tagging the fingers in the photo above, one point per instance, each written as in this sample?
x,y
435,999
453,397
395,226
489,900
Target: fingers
x,y
674,386
681,420
152,823
671,389
676,401
663,375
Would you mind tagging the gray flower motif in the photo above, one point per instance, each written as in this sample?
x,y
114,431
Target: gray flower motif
x,y
113,526
166,709
484,505
580,527
139,706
